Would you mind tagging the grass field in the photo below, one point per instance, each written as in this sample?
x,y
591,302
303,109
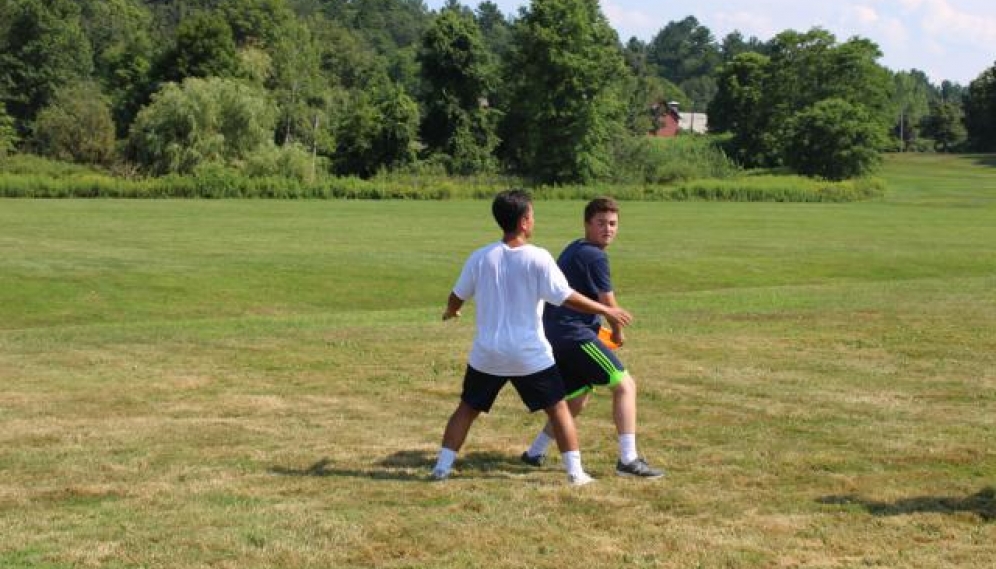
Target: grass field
x,y
264,384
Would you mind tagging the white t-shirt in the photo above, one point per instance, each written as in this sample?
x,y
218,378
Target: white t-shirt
x,y
510,286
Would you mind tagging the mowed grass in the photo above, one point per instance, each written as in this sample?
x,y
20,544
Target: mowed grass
x,y
265,383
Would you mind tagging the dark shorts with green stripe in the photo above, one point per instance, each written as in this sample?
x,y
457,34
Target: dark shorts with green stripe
x,y
584,365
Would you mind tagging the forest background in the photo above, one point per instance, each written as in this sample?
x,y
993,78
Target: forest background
x,y
318,97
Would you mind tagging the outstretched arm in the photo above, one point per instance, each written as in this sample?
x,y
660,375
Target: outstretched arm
x,y
616,316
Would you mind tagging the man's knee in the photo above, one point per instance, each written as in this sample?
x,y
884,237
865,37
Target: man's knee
x,y
556,408
626,384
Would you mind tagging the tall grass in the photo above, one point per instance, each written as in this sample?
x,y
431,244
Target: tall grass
x,y
662,161
31,177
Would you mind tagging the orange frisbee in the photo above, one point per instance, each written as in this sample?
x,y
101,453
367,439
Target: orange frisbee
x,y
605,335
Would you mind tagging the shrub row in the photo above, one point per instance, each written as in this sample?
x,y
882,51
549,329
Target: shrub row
x,y
208,187
28,177
743,189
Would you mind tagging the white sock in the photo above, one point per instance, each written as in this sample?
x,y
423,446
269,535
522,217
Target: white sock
x,y
572,462
627,448
444,462
540,444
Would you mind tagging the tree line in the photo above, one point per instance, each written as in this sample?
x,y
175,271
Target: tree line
x,y
308,88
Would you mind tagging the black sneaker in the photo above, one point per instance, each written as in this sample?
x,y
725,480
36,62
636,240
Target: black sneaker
x,y
638,469
533,460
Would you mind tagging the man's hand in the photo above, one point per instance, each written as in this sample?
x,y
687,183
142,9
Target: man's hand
x,y
617,317
618,337
453,305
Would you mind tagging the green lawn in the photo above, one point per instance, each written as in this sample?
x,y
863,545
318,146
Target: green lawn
x,y
264,384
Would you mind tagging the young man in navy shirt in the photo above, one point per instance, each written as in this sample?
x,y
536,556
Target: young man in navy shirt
x,y
584,360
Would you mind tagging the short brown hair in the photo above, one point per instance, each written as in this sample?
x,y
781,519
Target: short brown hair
x,y
599,205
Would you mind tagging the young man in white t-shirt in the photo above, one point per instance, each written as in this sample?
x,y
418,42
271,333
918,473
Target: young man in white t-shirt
x,y
510,281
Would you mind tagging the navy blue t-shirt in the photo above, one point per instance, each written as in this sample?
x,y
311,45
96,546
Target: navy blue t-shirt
x,y
587,270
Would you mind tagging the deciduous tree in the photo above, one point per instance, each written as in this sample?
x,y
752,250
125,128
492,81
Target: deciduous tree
x,y
123,54
76,126
379,131
833,139
459,76
759,98
980,111
945,125
201,120
8,134
42,48
205,47
739,108
910,102
565,77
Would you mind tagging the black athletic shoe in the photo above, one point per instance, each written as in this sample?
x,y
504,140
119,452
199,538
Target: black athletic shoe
x,y
533,460
638,469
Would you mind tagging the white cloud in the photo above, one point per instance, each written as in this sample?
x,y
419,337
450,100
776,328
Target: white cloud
x,y
635,22
890,32
946,24
862,15
746,22
894,32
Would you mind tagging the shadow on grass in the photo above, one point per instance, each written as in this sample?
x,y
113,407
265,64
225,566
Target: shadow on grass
x,y
415,465
982,504
986,160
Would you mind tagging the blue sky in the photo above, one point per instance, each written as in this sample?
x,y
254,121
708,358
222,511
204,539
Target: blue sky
x,y
946,39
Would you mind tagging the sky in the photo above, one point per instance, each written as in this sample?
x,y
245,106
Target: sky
x,y
952,40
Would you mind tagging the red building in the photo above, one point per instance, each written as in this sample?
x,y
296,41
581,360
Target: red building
x,y
665,119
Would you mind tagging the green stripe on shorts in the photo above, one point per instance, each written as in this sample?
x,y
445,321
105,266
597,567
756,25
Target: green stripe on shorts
x,y
615,374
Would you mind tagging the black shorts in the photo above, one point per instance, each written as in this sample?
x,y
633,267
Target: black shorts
x,y
538,391
583,365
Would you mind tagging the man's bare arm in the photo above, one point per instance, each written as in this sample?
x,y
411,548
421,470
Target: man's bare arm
x,y
614,314
609,299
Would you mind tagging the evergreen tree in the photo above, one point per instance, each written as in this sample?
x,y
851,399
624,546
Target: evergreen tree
x,y
496,28
733,44
683,50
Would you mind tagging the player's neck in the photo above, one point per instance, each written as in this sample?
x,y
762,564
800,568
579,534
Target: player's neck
x,y
514,240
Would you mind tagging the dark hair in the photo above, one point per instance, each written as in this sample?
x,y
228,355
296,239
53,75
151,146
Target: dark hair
x,y
509,207
599,205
